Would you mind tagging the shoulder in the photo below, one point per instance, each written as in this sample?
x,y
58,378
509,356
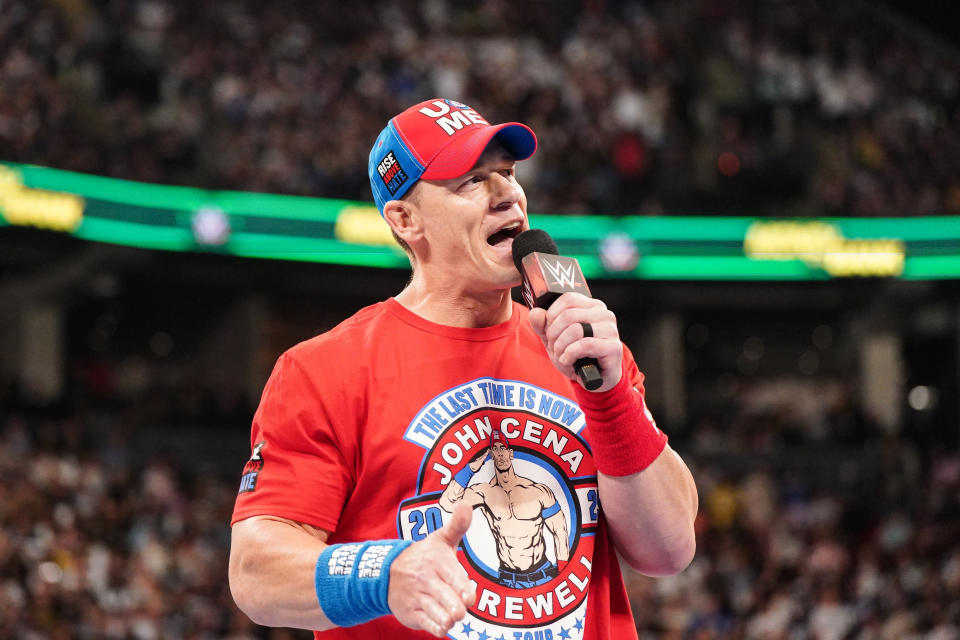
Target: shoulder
x,y
481,488
545,492
337,355
343,338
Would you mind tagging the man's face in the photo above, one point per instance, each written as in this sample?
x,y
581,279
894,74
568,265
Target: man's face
x,y
470,221
502,456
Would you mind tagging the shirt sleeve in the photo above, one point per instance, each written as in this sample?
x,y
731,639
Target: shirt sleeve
x,y
298,467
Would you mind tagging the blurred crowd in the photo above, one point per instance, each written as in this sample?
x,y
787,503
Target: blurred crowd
x,y
663,106
815,523
112,529
102,539
811,526
870,551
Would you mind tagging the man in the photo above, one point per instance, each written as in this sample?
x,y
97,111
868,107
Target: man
x,y
340,522
516,509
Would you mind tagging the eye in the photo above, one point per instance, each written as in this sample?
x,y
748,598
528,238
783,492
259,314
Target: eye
x,y
472,180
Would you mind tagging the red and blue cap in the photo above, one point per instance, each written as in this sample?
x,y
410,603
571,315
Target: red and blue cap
x,y
499,437
437,140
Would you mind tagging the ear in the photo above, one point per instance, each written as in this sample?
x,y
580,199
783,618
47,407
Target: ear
x,y
403,217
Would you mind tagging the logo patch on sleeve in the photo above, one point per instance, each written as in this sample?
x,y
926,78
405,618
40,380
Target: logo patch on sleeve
x,y
251,470
391,173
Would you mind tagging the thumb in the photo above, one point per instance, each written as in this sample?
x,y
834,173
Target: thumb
x,y
452,532
538,322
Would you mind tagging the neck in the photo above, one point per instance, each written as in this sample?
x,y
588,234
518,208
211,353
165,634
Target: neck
x,y
505,477
456,306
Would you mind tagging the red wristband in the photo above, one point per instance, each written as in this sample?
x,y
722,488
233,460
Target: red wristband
x,y
621,431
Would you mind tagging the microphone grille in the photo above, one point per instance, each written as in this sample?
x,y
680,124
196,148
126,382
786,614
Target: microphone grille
x,y
532,240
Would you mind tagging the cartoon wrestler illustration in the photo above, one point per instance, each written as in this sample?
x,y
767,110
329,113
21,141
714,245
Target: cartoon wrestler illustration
x,y
517,509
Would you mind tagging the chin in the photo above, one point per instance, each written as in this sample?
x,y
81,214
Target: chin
x,y
507,279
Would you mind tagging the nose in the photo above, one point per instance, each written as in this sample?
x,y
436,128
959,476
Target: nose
x,y
504,192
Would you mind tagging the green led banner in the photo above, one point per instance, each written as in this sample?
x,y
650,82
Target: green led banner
x,y
343,232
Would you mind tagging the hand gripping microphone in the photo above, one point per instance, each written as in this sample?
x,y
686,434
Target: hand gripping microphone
x,y
546,276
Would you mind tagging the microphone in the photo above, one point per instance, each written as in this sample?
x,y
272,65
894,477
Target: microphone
x,y
546,275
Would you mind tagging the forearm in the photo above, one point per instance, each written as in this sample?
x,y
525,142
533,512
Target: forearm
x,y
647,493
451,495
272,568
651,514
561,545
277,568
458,487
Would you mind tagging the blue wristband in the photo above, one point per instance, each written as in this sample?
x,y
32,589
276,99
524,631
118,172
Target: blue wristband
x,y
352,580
463,476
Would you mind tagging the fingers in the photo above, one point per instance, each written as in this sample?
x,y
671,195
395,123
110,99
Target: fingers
x,y
479,460
451,603
567,314
429,604
565,336
571,344
568,309
538,321
458,580
429,589
444,608
561,328
483,456
422,620
433,618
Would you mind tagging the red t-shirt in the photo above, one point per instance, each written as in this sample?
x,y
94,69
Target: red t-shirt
x,y
360,431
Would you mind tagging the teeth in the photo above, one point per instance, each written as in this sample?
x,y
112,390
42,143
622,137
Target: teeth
x,y
505,233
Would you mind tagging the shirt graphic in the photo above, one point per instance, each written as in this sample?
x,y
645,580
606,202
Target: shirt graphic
x,y
513,452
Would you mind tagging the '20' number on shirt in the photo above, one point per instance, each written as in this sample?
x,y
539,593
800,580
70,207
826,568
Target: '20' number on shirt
x,y
431,517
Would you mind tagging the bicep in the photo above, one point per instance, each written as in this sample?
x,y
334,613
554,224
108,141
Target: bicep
x,y
300,468
270,522
550,508
547,498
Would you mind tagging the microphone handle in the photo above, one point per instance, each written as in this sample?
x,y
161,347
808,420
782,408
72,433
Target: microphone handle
x,y
589,371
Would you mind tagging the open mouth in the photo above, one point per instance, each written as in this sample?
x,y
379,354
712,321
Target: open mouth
x,y
507,233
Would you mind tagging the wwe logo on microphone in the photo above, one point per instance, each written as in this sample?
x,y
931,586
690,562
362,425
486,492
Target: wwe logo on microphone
x,y
564,274
547,276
